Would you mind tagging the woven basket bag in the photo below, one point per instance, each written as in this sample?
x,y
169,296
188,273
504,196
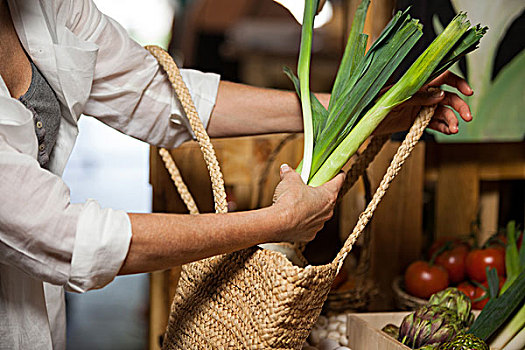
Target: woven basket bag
x,y
256,298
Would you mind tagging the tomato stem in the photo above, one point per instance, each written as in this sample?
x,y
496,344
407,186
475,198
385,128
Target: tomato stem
x,y
445,247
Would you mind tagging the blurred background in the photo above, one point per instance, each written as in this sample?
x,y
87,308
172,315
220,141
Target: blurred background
x,y
451,186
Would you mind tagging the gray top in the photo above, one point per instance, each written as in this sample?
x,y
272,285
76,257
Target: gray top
x,y
41,100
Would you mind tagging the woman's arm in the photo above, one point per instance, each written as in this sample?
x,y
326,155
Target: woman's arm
x,y
246,110
161,241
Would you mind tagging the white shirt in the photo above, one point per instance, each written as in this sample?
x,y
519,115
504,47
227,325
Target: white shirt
x,y
47,243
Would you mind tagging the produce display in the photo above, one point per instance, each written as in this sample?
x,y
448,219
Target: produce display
x,y
429,325
358,101
453,299
446,322
454,262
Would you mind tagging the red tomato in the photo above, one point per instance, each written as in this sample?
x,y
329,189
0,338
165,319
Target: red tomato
x,y
422,280
478,259
468,288
480,292
454,262
480,304
440,242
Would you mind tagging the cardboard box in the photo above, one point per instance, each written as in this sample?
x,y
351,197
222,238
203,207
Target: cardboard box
x,y
364,331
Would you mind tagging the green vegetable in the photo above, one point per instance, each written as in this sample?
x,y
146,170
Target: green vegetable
x,y
513,263
464,341
518,342
510,330
429,325
392,330
498,310
303,69
514,266
456,301
493,282
408,85
365,84
332,136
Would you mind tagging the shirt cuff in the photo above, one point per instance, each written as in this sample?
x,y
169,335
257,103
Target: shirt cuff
x,y
101,244
203,89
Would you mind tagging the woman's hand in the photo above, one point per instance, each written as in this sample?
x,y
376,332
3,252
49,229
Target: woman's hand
x,y
444,119
304,209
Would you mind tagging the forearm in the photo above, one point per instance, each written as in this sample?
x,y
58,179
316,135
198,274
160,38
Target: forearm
x,y
162,241
246,110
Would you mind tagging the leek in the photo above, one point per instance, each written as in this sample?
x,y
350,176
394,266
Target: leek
x,y
303,69
333,135
518,342
408,85
498,310
514,266
509,330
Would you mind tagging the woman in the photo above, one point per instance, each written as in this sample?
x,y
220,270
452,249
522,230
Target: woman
x,y
61,58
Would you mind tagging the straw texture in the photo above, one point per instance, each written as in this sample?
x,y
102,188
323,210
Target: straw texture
x,y
256,298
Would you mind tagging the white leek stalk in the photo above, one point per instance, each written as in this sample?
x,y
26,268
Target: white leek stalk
x,y
510,331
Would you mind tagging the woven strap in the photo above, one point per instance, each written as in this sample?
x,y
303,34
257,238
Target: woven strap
x,y
413,136
217,181
362,162
176,177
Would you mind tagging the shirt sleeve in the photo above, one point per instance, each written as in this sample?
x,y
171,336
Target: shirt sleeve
x,y
80,246
130,91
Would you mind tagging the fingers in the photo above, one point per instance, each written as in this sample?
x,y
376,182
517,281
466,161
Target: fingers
x,y
451,79
427,98
453,100
444,121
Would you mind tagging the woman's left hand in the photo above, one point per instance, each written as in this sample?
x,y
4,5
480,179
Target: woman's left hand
x,y
444,119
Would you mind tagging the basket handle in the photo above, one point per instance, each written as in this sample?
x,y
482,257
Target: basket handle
x,y
217,181
361,164
411,139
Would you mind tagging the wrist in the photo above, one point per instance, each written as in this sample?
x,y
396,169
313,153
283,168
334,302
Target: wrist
x,y
281,223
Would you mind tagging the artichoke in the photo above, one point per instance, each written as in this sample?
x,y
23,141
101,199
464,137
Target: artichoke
x,y
457,301
392,330
429,325
464,341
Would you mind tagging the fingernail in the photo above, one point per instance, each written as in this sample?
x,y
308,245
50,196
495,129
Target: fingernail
x,y
438,93
285,167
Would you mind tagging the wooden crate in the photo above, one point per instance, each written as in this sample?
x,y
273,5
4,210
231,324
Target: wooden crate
x,y
364,330
466,179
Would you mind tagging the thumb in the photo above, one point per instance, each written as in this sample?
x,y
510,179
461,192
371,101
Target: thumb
x,y
287,172
336,183
426,98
